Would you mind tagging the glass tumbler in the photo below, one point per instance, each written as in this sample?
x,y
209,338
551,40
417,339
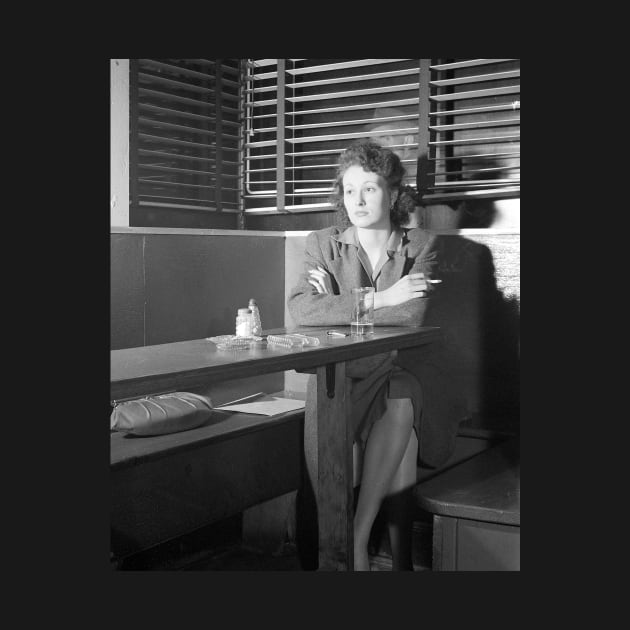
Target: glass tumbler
x,y
362,322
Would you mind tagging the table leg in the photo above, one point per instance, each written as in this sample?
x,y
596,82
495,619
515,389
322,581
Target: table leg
x,y
335,503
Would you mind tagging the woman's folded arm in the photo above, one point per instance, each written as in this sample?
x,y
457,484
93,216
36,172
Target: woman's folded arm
x,y
306,306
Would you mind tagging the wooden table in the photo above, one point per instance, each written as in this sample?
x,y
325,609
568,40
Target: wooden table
x,y
188,364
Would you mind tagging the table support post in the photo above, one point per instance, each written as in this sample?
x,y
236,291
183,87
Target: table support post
x,y
330,380
335,495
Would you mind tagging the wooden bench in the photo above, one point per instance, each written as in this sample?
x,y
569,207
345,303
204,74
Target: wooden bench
x,y
476,511
169,485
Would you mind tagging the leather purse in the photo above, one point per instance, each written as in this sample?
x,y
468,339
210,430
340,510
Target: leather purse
x,y
158,415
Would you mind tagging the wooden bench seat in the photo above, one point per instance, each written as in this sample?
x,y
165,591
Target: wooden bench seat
x,y
476,511
169,485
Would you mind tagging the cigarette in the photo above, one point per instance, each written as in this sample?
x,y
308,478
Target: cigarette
x,y
434,281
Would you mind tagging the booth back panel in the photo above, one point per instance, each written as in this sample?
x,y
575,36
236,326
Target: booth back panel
x,y
127,291
175,287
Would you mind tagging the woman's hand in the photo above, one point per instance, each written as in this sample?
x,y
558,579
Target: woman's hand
x,y
407,288
320,279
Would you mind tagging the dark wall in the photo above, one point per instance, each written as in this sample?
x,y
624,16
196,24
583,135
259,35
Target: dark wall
x,y
478,307
291,222
174,287
127,291
144,216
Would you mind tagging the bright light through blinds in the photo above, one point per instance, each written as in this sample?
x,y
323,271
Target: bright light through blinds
x,y
474,123
324,106
454,122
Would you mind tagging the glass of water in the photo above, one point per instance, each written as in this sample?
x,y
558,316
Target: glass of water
x,y
362,322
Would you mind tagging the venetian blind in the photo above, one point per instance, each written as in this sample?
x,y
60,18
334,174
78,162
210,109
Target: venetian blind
x,y
473,123
301,113
185,133
454,122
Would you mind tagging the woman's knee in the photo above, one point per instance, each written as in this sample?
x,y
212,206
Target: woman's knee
x,y
400,406
399,412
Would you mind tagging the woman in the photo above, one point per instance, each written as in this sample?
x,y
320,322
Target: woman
x,y
389,391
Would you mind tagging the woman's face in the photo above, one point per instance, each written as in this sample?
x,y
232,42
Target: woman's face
x,y
367,198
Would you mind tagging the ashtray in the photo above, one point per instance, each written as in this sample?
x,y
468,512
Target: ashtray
x,y
233,342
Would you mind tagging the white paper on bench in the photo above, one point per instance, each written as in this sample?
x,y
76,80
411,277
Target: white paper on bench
x,y
265,405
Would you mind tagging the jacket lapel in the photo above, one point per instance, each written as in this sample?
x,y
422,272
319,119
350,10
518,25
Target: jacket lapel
x,y
392,271
348,269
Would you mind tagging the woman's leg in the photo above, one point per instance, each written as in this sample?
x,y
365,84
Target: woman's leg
x,y
386,445
399,507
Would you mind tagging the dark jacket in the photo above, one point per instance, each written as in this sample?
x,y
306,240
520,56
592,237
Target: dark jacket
x,y
437,405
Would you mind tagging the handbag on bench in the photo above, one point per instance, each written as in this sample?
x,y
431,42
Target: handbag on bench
x,y
161,414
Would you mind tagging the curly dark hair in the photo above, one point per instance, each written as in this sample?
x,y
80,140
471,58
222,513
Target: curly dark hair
x,y
377,159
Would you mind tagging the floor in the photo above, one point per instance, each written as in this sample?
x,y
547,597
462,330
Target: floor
x,y
239,559
218,549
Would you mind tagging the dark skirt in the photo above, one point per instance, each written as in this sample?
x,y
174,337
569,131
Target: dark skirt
x,y
369,399
404,375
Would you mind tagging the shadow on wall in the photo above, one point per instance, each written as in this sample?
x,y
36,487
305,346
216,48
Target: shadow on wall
x,y
477,213
481,317
481,325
